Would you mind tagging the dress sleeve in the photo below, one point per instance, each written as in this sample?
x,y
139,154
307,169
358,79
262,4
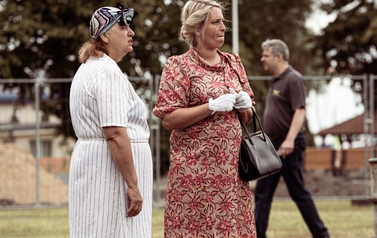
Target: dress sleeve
x,y
240,70
174,88
111,95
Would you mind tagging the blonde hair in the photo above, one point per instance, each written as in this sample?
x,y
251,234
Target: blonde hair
x,y
92,48
195,14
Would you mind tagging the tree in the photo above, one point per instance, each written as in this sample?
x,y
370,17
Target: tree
x,y
274,19
285,20
348,44
44,37
261,20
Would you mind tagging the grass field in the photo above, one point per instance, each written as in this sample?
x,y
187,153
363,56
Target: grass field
x,y
341,218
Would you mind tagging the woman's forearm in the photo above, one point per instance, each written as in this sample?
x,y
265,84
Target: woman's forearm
x,y
120,148
185,117
247,116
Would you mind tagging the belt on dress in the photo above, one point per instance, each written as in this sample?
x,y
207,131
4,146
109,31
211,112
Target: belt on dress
x,y
103,139
139,141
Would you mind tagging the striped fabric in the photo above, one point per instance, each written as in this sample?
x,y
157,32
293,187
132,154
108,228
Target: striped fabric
x,y
100,96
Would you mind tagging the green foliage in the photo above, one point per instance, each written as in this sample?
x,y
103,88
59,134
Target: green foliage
x,y
156,38
349,42
45,37
262,20
285,20
48,34
273,19
41,35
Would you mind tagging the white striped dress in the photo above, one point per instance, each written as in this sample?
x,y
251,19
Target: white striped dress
x,y
102,96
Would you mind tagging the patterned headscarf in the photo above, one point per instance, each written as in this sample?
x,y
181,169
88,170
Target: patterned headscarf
x,y
105,17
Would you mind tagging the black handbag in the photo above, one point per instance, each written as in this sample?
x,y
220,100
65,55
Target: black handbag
x,y
258,157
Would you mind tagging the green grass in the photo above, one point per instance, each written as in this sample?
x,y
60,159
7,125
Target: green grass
x,y
341,218
158,223
34,223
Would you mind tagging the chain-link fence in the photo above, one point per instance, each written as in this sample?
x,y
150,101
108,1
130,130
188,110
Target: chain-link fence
x,y
35,150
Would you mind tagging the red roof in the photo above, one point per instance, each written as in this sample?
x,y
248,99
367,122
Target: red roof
x,y
352,126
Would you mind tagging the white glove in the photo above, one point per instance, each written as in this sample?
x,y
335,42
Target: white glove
x,y
224,103
243,101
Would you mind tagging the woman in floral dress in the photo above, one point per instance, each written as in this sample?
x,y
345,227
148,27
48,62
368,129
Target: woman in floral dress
x,y
201,94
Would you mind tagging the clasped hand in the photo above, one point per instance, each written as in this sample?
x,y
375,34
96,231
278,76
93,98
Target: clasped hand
x,y
225,103
243,100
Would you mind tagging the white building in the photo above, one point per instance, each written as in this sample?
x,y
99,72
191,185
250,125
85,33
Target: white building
x,y
18,126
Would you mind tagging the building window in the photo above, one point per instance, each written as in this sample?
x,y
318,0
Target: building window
x,y
45,148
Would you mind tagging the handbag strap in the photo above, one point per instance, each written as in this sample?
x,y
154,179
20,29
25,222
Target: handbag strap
x,y
255,120
255,116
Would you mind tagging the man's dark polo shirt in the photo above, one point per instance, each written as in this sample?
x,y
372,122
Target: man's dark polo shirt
x,y
286,94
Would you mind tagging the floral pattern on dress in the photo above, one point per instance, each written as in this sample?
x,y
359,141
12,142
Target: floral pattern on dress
x,y
205,195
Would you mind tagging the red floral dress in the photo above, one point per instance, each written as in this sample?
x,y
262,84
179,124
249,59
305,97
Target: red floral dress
x,y
205,195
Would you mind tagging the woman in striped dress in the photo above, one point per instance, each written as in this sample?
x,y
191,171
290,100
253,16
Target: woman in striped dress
x,y
110,182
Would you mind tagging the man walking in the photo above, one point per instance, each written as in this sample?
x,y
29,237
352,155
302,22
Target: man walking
x,y
283,122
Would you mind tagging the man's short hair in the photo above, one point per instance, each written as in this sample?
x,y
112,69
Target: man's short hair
x,y
278,47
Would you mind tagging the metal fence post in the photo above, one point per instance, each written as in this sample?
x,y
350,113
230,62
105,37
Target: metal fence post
x,y
157,145
366,126
37,142
373,191
371,108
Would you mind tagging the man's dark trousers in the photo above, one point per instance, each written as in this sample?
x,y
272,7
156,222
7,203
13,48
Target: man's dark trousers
x,y
292,173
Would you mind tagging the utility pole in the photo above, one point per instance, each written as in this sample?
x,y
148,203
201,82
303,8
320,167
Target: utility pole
x,y
235,39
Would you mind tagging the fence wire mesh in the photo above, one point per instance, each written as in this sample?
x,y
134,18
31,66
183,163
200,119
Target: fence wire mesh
x,y
35,156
